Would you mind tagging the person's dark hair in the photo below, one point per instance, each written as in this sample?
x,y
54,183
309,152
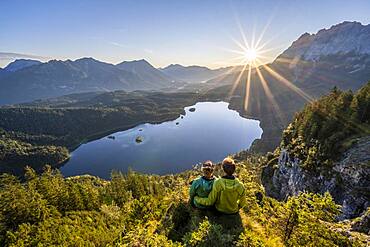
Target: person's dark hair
x,y
228,165
208,165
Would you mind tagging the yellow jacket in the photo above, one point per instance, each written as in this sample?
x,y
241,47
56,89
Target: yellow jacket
x,y
228,195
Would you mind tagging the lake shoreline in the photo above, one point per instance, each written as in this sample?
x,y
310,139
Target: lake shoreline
x,y
101,134
175,135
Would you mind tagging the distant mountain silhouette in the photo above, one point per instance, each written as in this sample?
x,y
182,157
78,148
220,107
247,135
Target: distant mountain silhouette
x,y
148,73
21,64
56,78
193,74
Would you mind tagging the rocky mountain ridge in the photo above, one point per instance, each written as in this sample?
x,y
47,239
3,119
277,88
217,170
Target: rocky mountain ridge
x,y
343,38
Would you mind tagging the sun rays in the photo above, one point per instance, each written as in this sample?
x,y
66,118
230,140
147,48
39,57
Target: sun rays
x,y
254,73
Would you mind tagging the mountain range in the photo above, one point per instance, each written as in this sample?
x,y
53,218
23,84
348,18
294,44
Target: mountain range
x,y
27,80
310,67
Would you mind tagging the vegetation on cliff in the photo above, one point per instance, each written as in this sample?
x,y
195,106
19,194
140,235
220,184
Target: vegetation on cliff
x,y
146,210
328,126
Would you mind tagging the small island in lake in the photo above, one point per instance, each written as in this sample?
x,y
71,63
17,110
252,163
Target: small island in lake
x,y
139,139
192,109
177,123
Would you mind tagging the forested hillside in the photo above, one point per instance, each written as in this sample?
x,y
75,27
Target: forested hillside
x,y
328,126
146,210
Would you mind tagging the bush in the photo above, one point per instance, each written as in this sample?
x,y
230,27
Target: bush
x,y
208,234
307,221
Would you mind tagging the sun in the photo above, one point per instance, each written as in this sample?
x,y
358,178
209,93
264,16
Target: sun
x,y
250,55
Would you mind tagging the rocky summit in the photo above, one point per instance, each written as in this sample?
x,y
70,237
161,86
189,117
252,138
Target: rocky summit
x,y
343,38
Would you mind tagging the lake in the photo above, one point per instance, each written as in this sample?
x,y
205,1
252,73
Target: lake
x,y
211,132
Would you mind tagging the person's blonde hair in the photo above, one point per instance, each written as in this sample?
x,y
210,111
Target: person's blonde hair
x,y
228,165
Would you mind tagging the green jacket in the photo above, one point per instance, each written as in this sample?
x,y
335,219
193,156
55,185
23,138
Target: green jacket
x,y
200,187
228,195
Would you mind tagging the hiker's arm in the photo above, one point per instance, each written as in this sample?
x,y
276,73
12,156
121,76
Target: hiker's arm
x,y
192,193
242,200
210,200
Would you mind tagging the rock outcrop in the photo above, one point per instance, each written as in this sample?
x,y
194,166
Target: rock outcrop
x,y
343,38
362,224
348,181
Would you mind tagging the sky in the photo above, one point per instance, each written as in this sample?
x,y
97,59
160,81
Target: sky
x,y
191,32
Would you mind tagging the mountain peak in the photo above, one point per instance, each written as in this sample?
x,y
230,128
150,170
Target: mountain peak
x,y
173,66
342,38
146,71
20,64
88,60
347,24
135,62
179,66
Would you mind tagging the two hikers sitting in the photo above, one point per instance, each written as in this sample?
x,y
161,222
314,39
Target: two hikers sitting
x,y
226,194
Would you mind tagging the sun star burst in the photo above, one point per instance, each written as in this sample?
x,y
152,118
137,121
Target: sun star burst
x,y
252,60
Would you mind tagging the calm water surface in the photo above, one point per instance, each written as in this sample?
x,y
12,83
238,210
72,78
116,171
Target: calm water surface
x,y
212,132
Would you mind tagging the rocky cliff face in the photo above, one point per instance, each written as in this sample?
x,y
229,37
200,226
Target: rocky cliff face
x,y
347,181
345,37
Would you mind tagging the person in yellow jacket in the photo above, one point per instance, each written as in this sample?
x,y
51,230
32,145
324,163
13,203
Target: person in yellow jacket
x,y
228,193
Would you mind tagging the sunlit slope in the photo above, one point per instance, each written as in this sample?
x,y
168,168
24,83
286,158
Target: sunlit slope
x,y
143,210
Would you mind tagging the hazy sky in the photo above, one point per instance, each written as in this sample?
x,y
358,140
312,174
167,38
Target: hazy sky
x,y
163,32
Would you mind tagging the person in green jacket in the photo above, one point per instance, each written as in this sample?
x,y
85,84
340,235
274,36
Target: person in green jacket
x,y
228,193
202,186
